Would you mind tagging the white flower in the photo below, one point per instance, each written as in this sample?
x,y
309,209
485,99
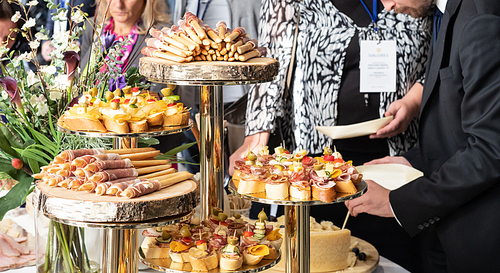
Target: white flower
x,y
16,17
61,16
32,78
50,69
61,81
29,24
61,37
41,36
77,17
55,94
27,56
34,44
43,109
5,95
32,3
73,47
3,49
40,103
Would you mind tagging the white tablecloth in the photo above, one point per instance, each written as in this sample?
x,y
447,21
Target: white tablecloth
x,y
24,220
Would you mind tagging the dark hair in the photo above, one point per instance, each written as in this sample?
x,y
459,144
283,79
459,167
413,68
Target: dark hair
x,y
6,12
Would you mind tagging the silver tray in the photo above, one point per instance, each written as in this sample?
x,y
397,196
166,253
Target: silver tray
x,y
261,197
159,131
166,264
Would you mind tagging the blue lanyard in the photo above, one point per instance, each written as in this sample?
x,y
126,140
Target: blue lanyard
x,y
204,11
372,14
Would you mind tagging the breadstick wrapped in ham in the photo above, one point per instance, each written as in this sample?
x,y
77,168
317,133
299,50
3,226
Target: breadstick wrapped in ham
x,y
239,31
141,188
212,34
83,161
180,35
154,52
69,155
89,186
249,45
82,174
118,188
162,36
258,52
153,42
112,174
222,28
102,188
239,42
67,182
189,30
196,24
74,184
100,165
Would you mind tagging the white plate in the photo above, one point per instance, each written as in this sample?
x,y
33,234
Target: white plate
x,y
390,176
354,130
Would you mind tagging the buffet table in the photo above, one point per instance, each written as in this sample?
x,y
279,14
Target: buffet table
x,y
22,218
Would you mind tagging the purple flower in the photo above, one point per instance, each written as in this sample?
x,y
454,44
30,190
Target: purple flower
x,y
107,40
10,85
72,60
118,83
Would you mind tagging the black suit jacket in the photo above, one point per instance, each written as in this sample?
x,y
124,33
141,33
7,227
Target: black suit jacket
x,y
459,148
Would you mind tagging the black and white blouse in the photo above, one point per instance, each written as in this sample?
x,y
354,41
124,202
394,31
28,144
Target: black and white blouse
x,y
324,35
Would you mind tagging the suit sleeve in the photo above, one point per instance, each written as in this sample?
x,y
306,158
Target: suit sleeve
x,y
474,169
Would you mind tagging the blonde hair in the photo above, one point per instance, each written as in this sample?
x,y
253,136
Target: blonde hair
x,y
153,10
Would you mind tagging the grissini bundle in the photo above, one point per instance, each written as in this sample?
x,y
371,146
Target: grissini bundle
x,y
83,161
158,34
113,174
69,155
141,156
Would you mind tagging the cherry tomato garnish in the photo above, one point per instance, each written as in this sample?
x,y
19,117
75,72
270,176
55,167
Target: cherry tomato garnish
x,y
200,242
187,240
248,234
328,158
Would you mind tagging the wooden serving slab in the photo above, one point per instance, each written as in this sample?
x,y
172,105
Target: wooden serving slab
x,y
256,69
82,206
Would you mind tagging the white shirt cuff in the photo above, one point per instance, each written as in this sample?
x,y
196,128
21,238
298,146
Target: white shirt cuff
x,y
394,214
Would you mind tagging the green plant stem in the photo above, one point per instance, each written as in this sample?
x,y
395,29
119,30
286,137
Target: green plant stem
x,y
65,250
48,251
69,91
82,235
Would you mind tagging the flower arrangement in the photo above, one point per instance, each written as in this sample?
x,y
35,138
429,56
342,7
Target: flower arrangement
x,y
31,102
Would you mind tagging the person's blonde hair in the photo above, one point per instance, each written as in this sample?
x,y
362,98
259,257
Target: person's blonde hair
x,y
153,9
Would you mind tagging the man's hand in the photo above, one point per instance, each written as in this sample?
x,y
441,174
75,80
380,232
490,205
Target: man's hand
x,y
251,142
389,160
375,201
46,50
403,110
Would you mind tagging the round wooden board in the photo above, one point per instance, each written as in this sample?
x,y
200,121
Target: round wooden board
x,y
256,69
82,206
372,259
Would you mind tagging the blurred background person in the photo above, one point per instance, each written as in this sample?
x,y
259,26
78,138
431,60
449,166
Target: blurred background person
x,y
12,41
52,26
324,90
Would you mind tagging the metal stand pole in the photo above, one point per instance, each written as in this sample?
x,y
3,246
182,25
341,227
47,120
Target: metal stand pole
x,y
297,252
119,251
212,148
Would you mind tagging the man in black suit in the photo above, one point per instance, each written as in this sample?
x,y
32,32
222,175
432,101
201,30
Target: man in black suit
x,y
454,207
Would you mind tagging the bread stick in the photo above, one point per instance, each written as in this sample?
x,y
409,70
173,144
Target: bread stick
x,y
152,169
247,46
130,151
235,46
194,22
191,33
152,42
146,163
249,55
157,174
140,156
197,58
175,178
211,33
221,27
239,31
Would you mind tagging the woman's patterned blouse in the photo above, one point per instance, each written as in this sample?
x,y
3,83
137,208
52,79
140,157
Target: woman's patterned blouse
x,y
324,35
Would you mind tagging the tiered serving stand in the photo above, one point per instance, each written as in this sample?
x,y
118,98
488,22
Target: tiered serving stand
x,y
119,217
210,77
297,226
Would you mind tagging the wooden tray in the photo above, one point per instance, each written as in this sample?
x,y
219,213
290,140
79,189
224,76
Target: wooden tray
x,y
255,70
372,259
82,206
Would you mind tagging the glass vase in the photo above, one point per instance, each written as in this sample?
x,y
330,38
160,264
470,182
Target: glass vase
x,y
66,248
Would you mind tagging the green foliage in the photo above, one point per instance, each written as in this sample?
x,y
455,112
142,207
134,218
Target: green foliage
x,y
17,195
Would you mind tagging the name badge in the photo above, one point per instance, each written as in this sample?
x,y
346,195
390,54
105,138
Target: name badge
x,y
377,64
